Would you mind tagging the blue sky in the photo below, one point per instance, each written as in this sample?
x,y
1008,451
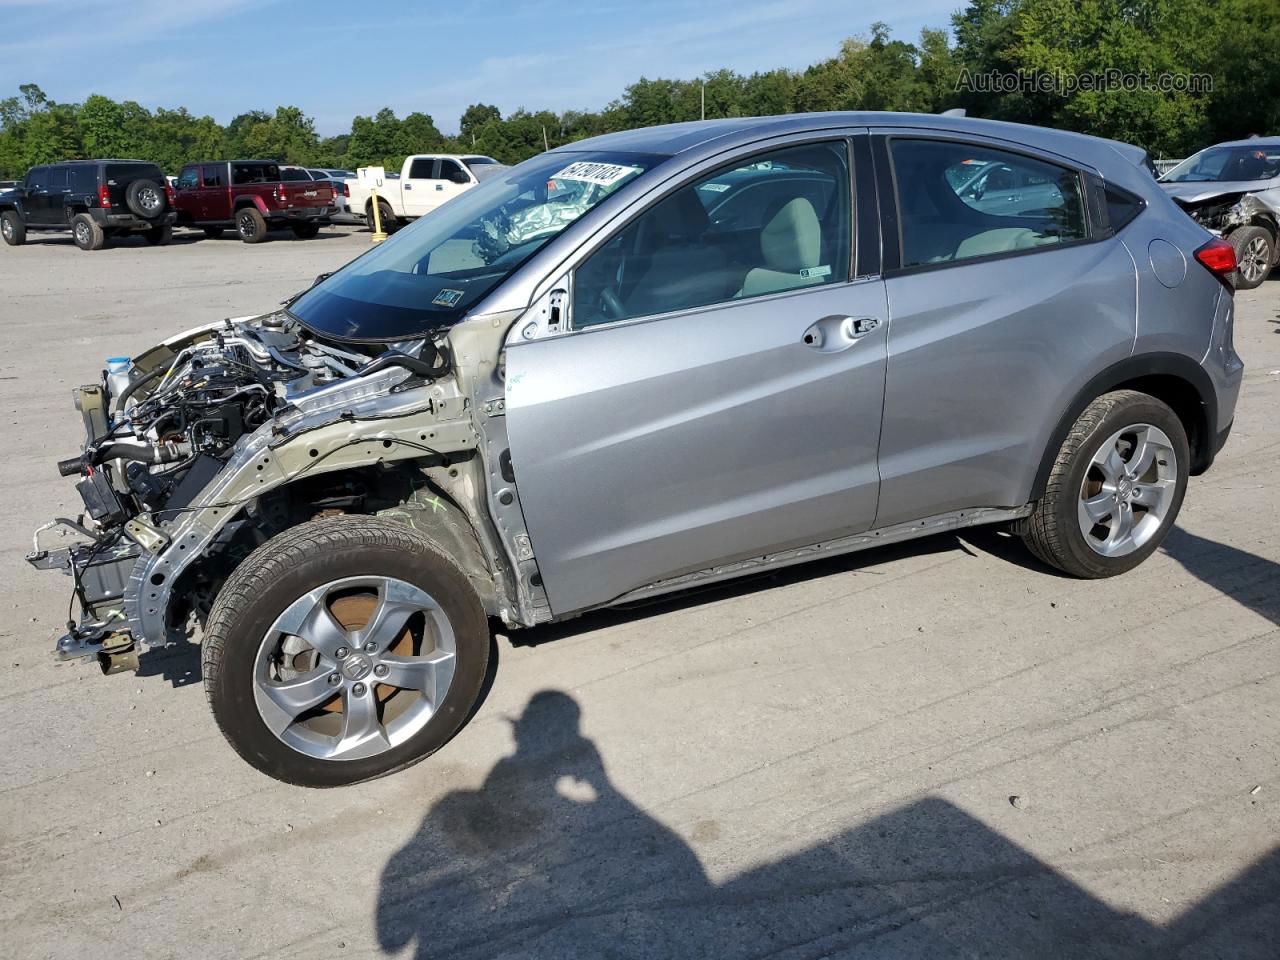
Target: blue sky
x,y
338,59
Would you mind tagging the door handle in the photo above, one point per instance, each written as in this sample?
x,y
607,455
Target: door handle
x,y
408,186
439,186
838,332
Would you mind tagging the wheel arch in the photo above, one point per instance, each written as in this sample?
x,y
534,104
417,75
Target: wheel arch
x,y
249,201
1172,378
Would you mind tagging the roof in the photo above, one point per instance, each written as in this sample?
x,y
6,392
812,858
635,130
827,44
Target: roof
x,y
1249,142
677,138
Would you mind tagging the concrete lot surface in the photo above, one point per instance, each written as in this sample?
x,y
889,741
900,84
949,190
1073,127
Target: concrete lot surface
x,y
816,764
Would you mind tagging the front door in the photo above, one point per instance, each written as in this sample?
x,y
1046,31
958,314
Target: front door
x,y
36,199
719,396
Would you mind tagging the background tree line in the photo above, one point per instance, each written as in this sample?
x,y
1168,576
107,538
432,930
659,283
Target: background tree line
x,y
1236,42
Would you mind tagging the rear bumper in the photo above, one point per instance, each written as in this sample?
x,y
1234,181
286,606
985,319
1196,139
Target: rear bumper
x,y
129,221
299,214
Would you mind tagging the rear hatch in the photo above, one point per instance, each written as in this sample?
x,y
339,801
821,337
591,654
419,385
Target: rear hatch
x,y
116,177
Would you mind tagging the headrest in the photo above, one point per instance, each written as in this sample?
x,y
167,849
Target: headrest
x,y
792,238
680,217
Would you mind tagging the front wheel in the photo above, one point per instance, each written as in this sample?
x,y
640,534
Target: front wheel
x,y
12,228
1115,488
251,225
342,650
1255,252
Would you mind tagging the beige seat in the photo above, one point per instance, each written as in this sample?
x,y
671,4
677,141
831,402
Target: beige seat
x,y
1000,240
791,242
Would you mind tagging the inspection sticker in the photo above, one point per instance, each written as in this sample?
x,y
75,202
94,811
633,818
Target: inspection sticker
x,y
811,272
605,174
447,298
715,187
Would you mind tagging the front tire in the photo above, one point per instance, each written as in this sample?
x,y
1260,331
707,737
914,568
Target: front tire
x,y
1115,488
251,225
86,232
12,228
1255,253
342,650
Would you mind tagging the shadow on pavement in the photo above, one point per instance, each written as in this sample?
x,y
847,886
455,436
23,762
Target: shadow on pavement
x,y
1247,578
548,860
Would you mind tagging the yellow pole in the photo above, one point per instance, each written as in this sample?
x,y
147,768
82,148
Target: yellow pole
x,y
378,235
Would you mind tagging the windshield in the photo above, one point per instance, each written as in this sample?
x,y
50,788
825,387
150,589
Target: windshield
x,y
428,275
1243,162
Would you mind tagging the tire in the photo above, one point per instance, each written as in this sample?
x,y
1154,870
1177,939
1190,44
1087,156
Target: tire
x,y
159,236
12,228
1055,530
305,231
146,199
283,575
213,233
251,225
390,224
86,232
1255,254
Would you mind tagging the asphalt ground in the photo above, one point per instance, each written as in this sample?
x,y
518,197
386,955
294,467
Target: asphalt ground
x,y
819,763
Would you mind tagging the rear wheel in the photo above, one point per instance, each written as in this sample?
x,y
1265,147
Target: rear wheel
x,y
213,233
305,231
12,228
159,236
86,232
251,225
1255,253
1115,488
389,222
343,650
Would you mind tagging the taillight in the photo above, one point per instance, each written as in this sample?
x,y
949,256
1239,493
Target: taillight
x,y
1219,258
104,195
168,192
280,193
346,191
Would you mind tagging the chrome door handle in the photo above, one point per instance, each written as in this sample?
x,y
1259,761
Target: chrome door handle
x,y
860,326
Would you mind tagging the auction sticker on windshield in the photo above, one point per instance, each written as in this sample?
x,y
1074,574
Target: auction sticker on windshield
x,y
605,174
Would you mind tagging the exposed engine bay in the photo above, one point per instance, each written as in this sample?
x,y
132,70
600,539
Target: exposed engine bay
x,y
1221,213
207,445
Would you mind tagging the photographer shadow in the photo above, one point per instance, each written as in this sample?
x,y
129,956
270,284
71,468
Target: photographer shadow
x,y
549,860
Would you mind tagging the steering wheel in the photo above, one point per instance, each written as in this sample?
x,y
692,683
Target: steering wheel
x,y
612,305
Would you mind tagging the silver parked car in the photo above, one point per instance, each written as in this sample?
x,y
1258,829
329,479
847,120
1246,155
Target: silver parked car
x,y
635,365
1233,190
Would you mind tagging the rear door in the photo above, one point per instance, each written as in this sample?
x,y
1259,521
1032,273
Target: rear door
x,y
417,188
1000,311
705,408
215,192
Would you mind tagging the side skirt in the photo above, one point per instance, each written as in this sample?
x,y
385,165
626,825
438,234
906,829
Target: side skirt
x,y
943,522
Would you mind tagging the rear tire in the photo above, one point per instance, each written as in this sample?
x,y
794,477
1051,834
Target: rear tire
x,y
86,232
159,236
1255,254
1096,492
305,231
350,726
213,233
251,225
12,228
389,222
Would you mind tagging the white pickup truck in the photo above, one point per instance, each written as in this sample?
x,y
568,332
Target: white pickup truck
x,y
426,181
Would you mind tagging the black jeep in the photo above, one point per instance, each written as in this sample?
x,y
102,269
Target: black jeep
x,y
94,199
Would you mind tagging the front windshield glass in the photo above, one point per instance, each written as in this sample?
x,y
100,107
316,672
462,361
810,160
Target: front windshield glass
x,y
428,275
1241,162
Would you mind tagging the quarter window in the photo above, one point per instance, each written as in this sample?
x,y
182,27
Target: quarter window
x,y
777,222
958,201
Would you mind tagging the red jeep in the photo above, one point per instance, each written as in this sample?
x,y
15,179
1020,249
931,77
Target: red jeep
x,y
250,196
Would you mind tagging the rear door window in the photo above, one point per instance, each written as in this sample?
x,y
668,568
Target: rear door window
x,y
83,178
958,201
58,178
422,169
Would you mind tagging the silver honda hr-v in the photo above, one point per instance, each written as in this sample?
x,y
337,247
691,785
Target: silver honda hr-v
x,y
634,365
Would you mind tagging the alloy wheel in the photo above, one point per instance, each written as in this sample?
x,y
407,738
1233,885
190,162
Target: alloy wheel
x,y
1253,260
1127,490
354,668
82,234
248,229
7,228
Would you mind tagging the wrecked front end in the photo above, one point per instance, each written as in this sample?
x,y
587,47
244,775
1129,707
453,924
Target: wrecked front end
x,y
207,445
1223,207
